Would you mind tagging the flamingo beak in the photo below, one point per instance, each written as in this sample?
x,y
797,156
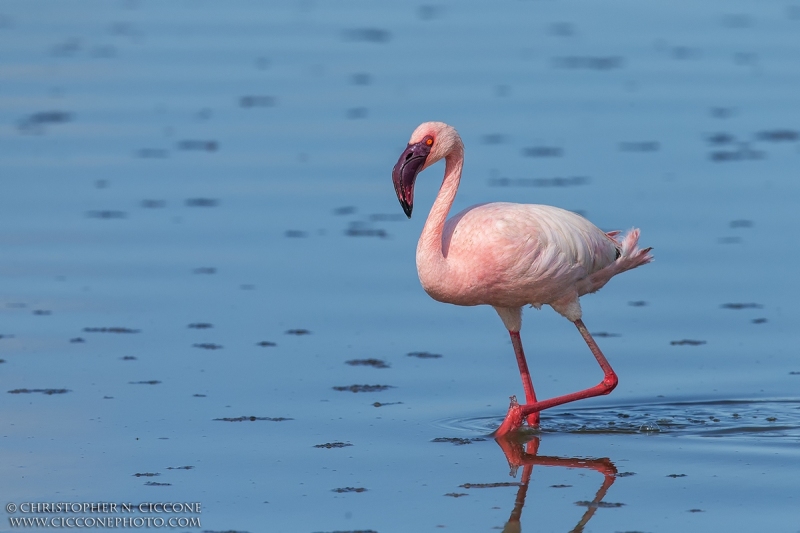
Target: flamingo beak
x,y
405,173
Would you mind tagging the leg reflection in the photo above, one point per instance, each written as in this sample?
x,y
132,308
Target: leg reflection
x,y
527,456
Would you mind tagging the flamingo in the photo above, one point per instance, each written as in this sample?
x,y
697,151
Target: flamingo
x,y
510,255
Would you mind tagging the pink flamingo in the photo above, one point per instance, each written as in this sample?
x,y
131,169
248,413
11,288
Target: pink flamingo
x,y
510,255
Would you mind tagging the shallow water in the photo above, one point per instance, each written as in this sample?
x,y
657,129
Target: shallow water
x,y
198,232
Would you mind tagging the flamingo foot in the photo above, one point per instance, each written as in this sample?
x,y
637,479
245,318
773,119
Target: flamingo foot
x,y
515,417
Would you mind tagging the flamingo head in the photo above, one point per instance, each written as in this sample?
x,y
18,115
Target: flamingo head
x,y
429,143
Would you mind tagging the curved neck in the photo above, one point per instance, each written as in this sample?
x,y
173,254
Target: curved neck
x,y
430,242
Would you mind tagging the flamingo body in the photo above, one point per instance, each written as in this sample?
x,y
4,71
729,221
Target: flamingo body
x,y
508,256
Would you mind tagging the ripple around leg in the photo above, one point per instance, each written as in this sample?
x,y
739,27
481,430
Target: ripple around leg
x,y
775,417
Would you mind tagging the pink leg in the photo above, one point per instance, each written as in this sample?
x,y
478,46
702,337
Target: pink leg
x,y
517,413
527,385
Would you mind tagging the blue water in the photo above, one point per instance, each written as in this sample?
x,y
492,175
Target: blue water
x,y
167,165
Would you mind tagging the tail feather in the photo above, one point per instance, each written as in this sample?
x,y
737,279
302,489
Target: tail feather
x,y
630,256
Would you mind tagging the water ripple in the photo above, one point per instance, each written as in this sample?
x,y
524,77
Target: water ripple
x,y
709,418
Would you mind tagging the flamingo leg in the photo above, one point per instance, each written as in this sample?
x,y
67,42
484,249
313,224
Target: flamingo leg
x,y
527,384
517,413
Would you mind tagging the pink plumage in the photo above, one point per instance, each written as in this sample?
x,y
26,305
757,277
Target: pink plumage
x,y
508,256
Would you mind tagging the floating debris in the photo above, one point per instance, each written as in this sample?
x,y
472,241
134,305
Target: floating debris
x,y
492,485
742,306
299,331
42,312
342,490
330,445
720,138
180,468
456,494
145,382
458,441
605,334
146,474
254,419
111,330
154,484
266,344
77,340
207,346
696,511
759,321
379,404
424,355
128,358
676,475
375,363
48,392
637,303
363,388
560,486
686,342
200,325
599,505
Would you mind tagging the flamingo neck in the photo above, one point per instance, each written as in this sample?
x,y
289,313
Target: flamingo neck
x,y
430,254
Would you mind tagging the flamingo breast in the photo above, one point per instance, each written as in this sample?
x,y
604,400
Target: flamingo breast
x,y
511,255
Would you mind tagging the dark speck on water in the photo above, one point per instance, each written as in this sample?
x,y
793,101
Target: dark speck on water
x,y
298,332
379,404
257,101
640,146
42,312
254,419
778,135
494,485
266,344
543,151
146,474
759,321
342,490
687,342
588,62
741,306
180,467
48,392
458,441
637,303
153,204
560,486
111,330
200,325
362,388
494,138
330,445
207,346
375,363
456,494
77,340
720,138
599,505
424,355
128,358
145,382
154,484
605,334
676,475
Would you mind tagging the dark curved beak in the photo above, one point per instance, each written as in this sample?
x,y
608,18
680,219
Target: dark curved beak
x,y
405,173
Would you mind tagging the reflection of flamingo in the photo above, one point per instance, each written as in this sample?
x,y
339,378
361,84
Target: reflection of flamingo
x,y
517,457
508,256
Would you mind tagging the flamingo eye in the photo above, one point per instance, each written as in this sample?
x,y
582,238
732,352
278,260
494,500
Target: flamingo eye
x,y
429,141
